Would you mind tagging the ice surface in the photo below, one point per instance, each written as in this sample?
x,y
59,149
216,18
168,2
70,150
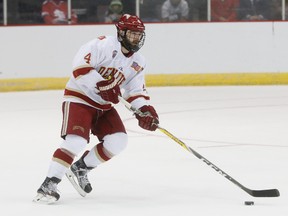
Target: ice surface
x,y
243,130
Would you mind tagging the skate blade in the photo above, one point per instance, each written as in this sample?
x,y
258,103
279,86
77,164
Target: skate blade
x,y
71,177
40,198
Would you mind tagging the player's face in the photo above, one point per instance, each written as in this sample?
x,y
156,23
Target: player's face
x,y
134,37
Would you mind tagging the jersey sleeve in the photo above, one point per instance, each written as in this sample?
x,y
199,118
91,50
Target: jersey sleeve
x,y
87,55
84,74
135,91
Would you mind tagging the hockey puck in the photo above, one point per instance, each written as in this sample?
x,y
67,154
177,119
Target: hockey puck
x,y
249,203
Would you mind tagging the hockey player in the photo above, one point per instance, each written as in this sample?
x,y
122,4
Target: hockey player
x,y
103,69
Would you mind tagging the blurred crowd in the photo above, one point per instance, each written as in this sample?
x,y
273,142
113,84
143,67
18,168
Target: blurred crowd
x,y
108,11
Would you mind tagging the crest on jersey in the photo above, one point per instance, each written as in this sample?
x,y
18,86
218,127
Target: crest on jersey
x,y
136,67
114,53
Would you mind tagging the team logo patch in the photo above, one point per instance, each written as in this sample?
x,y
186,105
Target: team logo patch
x,y
114,53
136,67
76,127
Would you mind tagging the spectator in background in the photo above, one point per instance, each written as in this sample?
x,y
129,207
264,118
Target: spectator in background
x,y
56,12
174,11
254,10
114,12
224,10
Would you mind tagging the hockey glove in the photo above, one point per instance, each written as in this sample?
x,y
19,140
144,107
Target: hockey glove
x,y
149,119
109,90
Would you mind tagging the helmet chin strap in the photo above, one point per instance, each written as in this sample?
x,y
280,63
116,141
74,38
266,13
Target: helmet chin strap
x,y
126,52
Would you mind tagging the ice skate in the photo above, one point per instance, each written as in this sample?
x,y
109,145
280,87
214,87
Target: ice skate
x,y
77,175
47,193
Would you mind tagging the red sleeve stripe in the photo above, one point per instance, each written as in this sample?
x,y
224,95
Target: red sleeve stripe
x,y
88,100
130,99
81,71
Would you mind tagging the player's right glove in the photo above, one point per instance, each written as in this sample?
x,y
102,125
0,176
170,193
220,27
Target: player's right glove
x,y
149,119
109,90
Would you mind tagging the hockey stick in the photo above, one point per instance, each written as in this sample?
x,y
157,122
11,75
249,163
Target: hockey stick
x,y
254,193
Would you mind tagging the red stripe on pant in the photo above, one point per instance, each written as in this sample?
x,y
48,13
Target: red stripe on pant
x,y
60,155
101,152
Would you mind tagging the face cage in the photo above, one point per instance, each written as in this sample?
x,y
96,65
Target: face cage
x,y
125,42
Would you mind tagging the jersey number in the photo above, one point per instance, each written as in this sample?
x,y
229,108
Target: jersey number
x,y
88,58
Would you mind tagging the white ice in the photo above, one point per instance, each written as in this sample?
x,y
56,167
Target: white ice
x,y
241,129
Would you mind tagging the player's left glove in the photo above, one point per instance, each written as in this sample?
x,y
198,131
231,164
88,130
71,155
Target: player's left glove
x,y
149,120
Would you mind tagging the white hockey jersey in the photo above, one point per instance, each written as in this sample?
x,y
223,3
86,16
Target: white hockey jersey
x,y
98,60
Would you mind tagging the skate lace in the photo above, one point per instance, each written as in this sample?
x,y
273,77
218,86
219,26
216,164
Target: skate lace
x,y
50,188
82,176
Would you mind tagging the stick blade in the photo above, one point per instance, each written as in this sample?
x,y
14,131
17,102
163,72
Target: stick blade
x,y
264,193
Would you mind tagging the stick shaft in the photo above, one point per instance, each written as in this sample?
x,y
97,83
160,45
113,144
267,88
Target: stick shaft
x,y
254,193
